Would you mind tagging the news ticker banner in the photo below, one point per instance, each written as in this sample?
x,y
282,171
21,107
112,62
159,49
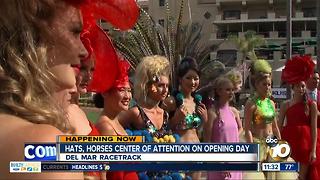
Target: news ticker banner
x,y
48,151
37,167
100,139
158,152
142,152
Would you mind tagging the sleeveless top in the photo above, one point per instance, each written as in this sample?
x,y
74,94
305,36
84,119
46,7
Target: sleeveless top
x,y
225,130
297,132
296,115
151,127
117,131
119,175
225,127
94,130
191,121
265,111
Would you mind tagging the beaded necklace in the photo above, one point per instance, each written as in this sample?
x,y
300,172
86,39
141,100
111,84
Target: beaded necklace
x,y
192,120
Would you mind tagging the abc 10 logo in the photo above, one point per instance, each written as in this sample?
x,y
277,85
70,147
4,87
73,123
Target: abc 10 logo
x,y
279,149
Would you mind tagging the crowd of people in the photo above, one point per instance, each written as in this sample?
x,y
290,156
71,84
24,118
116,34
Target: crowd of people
x,y
52,51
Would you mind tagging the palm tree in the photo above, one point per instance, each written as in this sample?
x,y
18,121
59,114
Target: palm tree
x,y
173,41
246,46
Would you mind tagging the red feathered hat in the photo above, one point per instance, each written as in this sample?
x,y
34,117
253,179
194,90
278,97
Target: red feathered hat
x,y
121,14
299,68
122,78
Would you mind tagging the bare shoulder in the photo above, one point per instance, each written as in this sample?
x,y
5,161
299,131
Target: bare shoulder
x,y
234,110
130,113
126,118
169,104
212,109
285,104
212,112
105,126
273,103
313,104
21,129
78,120
15,134
76,110
250,105
134,111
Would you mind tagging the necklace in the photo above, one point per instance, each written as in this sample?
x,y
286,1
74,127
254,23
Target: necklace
x,y
192,120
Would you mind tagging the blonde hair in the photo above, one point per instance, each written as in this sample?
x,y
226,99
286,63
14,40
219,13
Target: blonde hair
x,y
148,71
218,83
234,75
260,70
26,83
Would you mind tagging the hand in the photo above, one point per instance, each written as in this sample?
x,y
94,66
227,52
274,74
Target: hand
x,y
227,175
202,111
312,157
181,113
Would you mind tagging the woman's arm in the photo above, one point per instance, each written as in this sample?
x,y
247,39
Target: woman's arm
x,y
248,114
37,133
202,111
126,118
169,104
275,128
314,113
207,126
238,120
282,114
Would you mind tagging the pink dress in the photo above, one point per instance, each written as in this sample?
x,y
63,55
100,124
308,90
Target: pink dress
x,y
225,130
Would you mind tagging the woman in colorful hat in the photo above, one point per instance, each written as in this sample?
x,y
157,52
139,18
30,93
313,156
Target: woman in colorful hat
x,y
260,119
260,112
36,46
298,116
102,59
115,100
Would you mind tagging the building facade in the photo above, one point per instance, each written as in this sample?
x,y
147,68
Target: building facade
x,y
267,18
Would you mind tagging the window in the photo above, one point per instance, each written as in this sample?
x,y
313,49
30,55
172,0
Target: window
x,y
231,14
161,3
161,22
309,12
227,57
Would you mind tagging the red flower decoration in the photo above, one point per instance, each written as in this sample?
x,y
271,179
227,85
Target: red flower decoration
x,y
122,14
122,78
106,61
299,68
